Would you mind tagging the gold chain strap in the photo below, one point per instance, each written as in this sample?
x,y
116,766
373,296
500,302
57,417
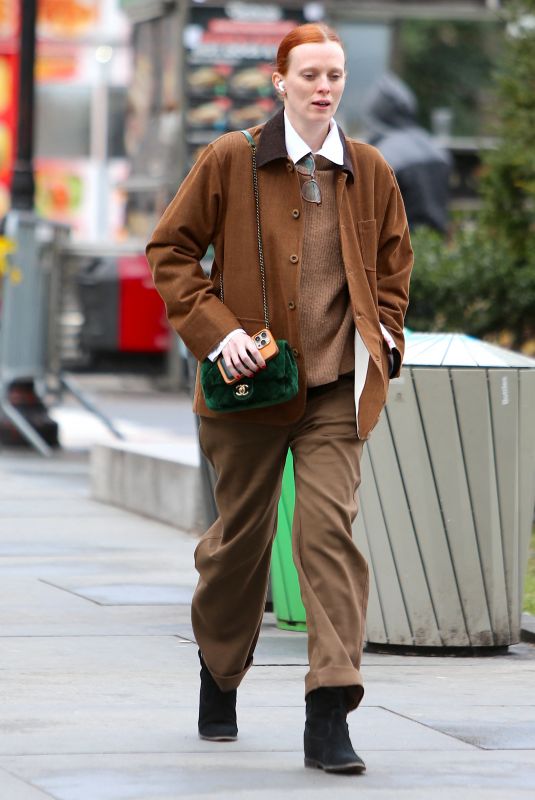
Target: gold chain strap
x,y
258,232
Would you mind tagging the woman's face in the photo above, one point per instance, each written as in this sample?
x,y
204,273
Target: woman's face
x,y
314,82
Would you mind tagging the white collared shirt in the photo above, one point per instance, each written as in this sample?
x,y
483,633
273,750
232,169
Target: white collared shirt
x,y
296,147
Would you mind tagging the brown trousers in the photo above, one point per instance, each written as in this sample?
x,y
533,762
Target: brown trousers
x,y
233,556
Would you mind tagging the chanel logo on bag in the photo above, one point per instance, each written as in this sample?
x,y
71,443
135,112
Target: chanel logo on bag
x,y
241,390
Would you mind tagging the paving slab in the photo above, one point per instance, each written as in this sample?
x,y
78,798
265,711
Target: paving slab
x,y
491,727
48,506
121,722
12,788
276,649
487,682
118,621
92,655
163,589
63,477
33,607
99,677
101,568
110,530
98,694
473,775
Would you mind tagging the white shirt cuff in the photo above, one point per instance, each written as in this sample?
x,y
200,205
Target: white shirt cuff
x,y
394,356
215,353
387,337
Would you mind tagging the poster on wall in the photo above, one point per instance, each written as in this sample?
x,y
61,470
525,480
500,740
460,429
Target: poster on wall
x,y
9,20
65,192
78,19
70,18
9,25
230,55
8,122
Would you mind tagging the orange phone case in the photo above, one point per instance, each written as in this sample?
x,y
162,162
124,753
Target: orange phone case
x,y
265,341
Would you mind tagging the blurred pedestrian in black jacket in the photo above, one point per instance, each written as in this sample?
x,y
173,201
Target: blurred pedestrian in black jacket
x,y
421,166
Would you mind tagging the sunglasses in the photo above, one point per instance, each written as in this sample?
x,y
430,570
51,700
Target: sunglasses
x,y
310,191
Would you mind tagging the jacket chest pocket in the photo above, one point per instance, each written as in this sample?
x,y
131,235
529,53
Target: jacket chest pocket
x,y
368,243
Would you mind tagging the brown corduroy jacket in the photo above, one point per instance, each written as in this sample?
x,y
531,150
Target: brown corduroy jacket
x,y
215,205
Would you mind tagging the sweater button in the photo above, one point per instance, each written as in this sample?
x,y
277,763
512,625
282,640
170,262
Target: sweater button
x,y
295,213
294,259
291,305
295,351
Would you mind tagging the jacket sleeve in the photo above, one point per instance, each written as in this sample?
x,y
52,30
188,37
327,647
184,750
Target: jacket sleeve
x,y
394,265
181,237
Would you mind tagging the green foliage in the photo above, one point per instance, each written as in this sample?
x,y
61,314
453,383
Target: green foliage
x,y
508,184
470,284
482,281
448,63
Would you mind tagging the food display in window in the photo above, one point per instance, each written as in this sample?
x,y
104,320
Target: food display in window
x,y
209,115
251,114
252,80
229,63
209,79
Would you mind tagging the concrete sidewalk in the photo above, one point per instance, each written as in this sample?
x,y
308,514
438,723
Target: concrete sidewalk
x,y
99,676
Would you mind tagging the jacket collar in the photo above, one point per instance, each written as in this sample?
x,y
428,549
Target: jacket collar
x,y
272,144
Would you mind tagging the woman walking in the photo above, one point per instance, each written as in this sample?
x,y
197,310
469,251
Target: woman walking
x,y
337,265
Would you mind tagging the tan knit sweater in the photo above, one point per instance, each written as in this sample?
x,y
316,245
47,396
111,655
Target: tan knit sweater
x,y
326,322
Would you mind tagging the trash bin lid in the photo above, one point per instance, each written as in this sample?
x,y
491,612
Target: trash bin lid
x,y
459,350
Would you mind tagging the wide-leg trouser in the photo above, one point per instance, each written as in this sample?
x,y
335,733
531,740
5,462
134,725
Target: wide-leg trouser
x,y
233,556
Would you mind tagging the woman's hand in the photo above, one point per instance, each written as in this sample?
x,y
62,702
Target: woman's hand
x,y
242,356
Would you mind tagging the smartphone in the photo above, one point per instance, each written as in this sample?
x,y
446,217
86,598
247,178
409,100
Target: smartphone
x,y
264,340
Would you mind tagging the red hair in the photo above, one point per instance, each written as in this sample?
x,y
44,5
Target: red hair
x,y
311,33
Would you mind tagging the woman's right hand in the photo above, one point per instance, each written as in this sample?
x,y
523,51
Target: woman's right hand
x,y
242,356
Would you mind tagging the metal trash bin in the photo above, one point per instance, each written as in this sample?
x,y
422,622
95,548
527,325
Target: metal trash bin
x,y
447,496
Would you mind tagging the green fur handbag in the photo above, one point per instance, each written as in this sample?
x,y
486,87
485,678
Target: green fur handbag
x,y
275,384
278,382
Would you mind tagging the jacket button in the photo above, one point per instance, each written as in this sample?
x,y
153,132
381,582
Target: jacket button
x,y
291,305
295,351
290,167
294,259
295,213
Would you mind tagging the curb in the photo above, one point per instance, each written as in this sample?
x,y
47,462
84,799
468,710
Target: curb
x,y
143,480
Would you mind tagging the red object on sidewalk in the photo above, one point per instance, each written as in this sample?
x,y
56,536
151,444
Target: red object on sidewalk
x,y
143,325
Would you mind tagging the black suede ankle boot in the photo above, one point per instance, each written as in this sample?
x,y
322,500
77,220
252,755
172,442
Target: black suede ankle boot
x,y
327,742
217,709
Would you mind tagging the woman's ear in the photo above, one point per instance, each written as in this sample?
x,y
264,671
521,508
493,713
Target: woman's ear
x,y
278,83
